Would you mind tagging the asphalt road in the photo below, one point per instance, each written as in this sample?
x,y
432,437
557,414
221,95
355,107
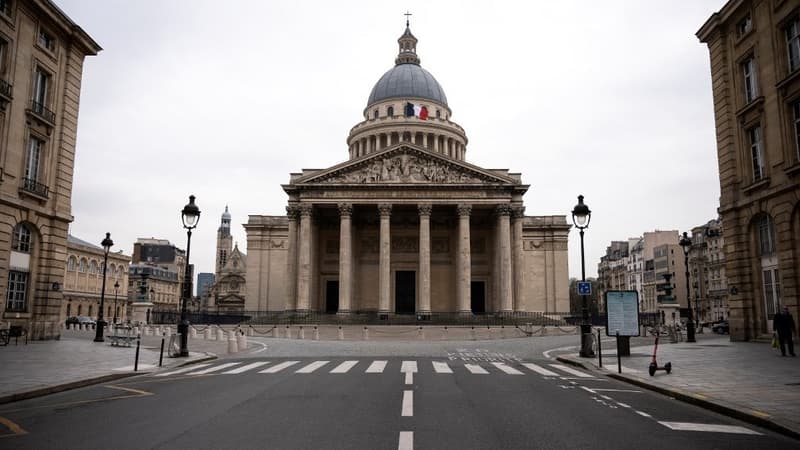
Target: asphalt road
x,y
472,396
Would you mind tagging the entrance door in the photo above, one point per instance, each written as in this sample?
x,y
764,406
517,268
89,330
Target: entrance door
x,y
332,297
478,297
405,291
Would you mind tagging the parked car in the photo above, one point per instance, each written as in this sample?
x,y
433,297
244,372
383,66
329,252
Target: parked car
x,y
721,327
81,320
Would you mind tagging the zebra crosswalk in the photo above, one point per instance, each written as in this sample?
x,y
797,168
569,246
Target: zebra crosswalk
x,y
378,367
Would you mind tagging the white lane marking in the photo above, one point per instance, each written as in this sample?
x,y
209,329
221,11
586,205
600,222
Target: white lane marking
x,y
263,347
408,366
571,371
214,369
185,369
311,367
409,377
507,369
376,367
277,368
624,405
344,367
246,368
605,397
686,426
643,414
587,389
540,370
408,404
406,440
476,369
559,349
440,367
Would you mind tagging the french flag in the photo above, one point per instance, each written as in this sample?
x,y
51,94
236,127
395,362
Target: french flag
x,y
418,111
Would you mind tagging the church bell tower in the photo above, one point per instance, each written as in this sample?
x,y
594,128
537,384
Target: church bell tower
x,y
224,242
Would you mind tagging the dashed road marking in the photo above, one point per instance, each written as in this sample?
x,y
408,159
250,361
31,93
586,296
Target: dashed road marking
x,y
377,367
246,368
406,440
540,370
476,369
408,404
312,367
709,427
507,369
440,367
184,370
214,369
344,367
571,371
277,368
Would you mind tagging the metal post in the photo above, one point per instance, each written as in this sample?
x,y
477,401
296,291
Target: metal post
x,y
107,243
586,327
183,327
690,323
161,355
619,358
599,350
136,360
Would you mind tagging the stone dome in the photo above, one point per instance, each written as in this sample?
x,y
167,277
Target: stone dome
x,y
407,80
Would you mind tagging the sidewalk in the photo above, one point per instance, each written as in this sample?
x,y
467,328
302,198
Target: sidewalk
x,y
45,367
749,381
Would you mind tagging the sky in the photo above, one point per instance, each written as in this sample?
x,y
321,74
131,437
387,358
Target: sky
x,y
609,99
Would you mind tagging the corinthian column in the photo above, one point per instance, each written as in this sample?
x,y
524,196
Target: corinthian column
x,y
504,250
384,279
304,264
292,213
519,263
345,258
463,260
424,306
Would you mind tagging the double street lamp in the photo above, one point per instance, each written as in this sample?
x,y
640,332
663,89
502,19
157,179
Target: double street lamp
x,y
686,244
581,215
190,216
107,243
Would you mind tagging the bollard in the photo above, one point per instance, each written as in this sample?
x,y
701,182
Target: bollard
x,y
444,334
489,332
250,331
421,333
288,332
220,334
472,333
136,358
276,331
136,330
301,334
207,333
341,333
316,333
241,341
544,330
161,355
167,331
502,331
193,333
366,334
232,346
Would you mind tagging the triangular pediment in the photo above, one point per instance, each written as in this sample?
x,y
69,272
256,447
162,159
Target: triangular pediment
x,y
405,164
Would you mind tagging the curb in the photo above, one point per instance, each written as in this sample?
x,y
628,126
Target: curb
x,y
719,406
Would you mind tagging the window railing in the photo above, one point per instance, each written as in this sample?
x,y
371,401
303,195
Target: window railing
x,y
5,89
34,187
40,110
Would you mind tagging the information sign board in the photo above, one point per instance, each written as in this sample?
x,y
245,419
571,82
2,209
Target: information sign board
x,y
622,313
584,288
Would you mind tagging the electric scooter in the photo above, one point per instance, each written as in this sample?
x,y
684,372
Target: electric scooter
x,y
654,365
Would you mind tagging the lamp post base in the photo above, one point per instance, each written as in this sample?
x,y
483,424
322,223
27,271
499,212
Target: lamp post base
x,y
183,332
690,331
98,336
586,342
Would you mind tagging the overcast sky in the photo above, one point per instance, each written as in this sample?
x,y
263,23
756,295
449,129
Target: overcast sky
x,y
608,99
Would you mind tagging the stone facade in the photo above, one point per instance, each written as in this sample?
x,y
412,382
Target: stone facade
x,y
707,268
41,63
83,282
406,225
754,49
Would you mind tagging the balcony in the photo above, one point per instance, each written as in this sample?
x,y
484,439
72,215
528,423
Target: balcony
x,y
5,93
43,114
35,188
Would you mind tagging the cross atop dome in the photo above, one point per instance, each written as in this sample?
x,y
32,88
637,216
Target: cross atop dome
x,y
408,46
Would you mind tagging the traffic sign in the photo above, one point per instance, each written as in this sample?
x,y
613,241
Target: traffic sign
x,y
584,288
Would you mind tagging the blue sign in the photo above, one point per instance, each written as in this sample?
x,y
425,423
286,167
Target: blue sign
x,y
584,288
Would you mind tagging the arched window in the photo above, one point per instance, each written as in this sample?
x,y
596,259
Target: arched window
x,y
83,266
770,275
21,240
390,111
93,267
90,310
71,263
80,310
69,309
375,114
438,113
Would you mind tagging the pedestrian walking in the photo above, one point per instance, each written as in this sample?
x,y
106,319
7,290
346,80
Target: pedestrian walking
x,y
783,324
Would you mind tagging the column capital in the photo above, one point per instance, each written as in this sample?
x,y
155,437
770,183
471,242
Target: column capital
x,y
385,209
425,209
518,212
306,210
464,209
345,209
503,210
292,212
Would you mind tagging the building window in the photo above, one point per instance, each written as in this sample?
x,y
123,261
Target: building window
x,y
69,309
5,7
390,111
41,83
756,153
71,264
21,241
793,43
375,114
17,289
766,236
82,267
796,109
750,82
46,40
744,25
93,267
33,158
90,310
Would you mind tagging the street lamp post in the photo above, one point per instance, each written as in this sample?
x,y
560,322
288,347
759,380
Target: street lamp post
x,y
116,291
581,215
190,216
107,243
686,244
